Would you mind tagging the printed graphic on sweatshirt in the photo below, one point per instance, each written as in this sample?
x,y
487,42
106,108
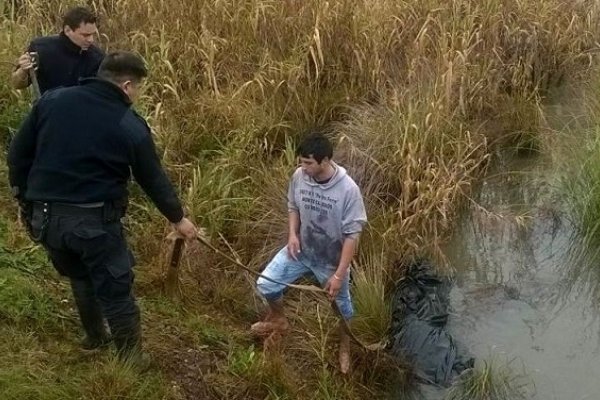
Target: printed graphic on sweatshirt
x,y
318,203
325,211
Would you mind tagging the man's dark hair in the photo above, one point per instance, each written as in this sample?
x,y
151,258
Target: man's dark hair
x,y
78,15
317,145
121,66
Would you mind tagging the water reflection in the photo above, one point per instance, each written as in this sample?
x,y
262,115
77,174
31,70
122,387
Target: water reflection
x,y
527,282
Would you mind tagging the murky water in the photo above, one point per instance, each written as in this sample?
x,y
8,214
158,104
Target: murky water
x,y
515,296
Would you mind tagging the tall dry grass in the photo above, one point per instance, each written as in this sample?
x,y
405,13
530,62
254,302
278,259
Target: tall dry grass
x,y
417,94
417,91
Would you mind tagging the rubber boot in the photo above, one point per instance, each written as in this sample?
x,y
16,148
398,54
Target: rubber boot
x,y
127,336
96,335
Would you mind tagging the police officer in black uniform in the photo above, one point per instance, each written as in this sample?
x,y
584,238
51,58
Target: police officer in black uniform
x,y
69,165
65,58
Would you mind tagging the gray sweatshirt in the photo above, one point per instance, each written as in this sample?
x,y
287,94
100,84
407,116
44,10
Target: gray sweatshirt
x,y
329,213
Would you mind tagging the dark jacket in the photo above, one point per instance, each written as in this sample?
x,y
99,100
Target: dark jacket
x,y
78,145
62,63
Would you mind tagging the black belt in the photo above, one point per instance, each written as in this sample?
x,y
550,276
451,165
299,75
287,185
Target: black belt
x,y
68,210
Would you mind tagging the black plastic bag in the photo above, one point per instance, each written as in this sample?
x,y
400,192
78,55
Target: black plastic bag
x,y
419,332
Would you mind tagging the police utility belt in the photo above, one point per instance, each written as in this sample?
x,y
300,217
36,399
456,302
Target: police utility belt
x,y
107,211
103,211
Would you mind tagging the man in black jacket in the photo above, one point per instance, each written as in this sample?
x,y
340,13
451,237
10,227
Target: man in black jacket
x,y
69,164
65,58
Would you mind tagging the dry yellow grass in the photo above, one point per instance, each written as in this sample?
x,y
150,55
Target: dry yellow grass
x,y
416,94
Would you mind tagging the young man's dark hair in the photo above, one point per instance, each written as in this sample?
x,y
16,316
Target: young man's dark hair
x,y
78,15
121,66
317,145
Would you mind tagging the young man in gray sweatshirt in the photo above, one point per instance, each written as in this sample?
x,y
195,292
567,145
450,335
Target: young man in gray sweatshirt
x,y
326,216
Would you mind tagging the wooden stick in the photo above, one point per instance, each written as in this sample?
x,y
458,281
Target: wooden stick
x,y
310,288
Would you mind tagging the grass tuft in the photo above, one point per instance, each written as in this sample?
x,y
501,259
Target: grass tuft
x,y
492,381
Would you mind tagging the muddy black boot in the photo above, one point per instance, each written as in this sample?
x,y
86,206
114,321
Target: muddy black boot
x,y
89,343
90,315
127,336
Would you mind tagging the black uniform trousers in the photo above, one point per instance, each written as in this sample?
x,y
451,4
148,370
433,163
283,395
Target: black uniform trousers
x,y
87,245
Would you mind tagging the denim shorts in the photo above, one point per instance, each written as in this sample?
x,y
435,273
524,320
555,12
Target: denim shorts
x,y
284,269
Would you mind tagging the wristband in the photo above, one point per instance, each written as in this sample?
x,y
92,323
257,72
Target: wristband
x,y
336,277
